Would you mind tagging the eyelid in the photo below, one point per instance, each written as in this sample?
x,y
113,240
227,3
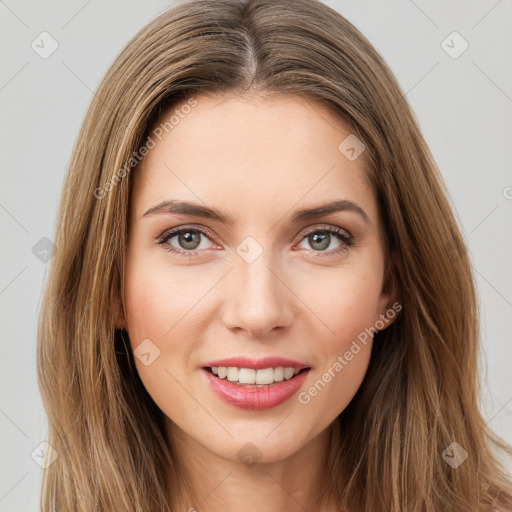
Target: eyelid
x,y
303,233
344,236
326,227
169,233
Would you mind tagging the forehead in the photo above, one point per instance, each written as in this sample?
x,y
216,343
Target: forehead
x,y
252,153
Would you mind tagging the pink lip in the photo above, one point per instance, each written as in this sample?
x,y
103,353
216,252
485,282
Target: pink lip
x,y
252,397
257,364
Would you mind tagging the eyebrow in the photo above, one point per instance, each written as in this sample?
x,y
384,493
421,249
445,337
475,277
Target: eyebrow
x,y
174,206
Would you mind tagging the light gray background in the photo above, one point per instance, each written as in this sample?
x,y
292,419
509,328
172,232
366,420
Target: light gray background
x,y
464,107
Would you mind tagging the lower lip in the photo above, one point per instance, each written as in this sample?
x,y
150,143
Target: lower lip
x,y
254,398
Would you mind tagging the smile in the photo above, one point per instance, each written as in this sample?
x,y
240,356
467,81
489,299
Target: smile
x,y
248,376
255,385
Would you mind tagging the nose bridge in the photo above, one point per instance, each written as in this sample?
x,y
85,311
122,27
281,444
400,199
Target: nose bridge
x,y
258,299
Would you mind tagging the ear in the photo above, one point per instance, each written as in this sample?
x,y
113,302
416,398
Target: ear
x,y
390,299
121,322
118,310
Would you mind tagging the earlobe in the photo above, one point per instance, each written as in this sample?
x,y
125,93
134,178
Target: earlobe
x,y
121,323
390,295
120,320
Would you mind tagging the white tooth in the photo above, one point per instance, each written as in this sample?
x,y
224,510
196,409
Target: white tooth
x,y
288,373
232,373
247,376
221,372
295,371
279,374
214,370
265,376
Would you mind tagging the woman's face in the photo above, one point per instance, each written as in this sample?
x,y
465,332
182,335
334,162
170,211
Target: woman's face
x,y
259,279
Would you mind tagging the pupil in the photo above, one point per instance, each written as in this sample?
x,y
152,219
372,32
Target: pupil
x,y
323,239
187,240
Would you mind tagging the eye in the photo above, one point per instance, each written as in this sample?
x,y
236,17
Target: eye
x,y
320,239
188,241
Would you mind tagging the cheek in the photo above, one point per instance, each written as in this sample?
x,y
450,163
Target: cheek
x,y
164,306
159,301
345,302
347,310
156,313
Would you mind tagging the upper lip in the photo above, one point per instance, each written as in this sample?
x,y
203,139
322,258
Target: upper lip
x,y
257,364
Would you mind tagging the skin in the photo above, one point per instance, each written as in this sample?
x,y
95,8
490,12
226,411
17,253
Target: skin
x,y
258,159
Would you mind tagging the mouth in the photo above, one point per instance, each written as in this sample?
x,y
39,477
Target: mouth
x,y
255,384
251,377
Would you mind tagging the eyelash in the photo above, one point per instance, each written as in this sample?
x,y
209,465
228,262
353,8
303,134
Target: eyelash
x,y
342,235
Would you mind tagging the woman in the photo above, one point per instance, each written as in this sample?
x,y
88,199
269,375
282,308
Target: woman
x,y
261,298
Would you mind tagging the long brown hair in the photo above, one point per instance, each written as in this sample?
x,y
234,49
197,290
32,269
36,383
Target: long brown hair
x,y
420,393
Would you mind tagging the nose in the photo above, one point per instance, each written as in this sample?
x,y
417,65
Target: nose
x,y
259,300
